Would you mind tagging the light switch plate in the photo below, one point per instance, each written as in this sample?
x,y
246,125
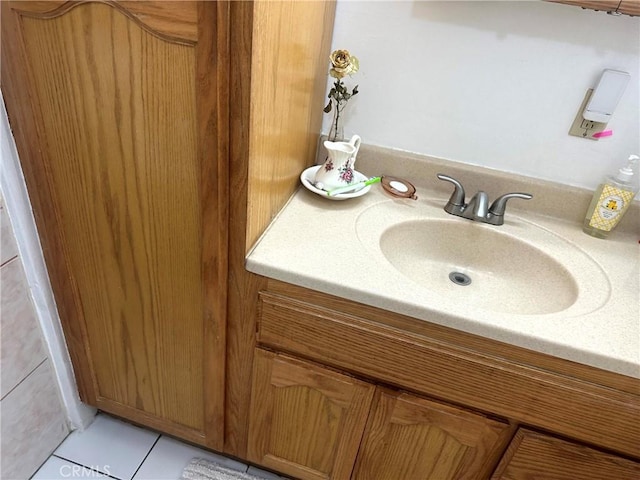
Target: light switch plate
x,y
585,128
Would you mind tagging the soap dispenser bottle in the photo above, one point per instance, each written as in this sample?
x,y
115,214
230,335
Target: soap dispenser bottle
x,y
611,200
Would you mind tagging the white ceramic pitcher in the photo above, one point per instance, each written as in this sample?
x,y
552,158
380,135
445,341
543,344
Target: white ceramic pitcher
x,y
337,170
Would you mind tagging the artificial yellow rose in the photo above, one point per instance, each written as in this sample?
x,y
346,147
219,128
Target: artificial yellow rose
x,y
343,64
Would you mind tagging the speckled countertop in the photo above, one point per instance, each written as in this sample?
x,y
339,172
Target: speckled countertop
x,y
332,247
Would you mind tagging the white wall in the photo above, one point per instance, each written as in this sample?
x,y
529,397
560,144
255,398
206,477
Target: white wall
x,y
496,84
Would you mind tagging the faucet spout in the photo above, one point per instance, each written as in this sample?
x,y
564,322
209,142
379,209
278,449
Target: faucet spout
x,y
478,207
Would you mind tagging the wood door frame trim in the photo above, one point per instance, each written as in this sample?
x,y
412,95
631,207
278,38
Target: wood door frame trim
x,y
242,285
212,110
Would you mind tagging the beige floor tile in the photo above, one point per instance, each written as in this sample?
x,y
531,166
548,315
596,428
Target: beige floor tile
x,y
21,345
33,424
8,247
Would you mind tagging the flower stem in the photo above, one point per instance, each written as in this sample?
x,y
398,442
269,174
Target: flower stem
x,y
335,126
339,97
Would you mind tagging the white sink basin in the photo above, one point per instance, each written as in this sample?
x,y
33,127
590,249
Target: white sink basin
x,y
516,268
505,274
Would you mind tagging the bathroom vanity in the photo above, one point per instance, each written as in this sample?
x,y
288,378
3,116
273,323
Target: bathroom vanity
x,y
341,387
362,370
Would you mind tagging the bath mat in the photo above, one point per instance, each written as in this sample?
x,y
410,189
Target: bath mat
x,y
200,469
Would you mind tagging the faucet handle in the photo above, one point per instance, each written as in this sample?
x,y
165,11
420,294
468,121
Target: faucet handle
x,y
498,207
458,195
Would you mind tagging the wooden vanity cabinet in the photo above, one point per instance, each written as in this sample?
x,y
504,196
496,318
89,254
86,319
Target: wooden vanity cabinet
x,y
447,404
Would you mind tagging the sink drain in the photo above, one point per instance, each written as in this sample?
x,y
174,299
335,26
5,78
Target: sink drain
x,y
459,278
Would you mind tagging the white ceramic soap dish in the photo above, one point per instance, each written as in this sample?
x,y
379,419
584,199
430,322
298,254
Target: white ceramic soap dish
x,y
308,176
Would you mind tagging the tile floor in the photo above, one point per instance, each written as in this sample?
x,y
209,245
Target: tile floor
x,y
114,449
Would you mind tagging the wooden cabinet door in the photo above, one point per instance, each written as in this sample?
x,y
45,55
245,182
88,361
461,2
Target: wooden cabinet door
x,y
533,456
119,110
412,438
305,421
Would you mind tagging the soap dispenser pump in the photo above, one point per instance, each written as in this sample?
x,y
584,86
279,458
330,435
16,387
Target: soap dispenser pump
x,y
611,200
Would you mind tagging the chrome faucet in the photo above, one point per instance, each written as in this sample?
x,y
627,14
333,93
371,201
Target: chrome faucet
x,y
478,208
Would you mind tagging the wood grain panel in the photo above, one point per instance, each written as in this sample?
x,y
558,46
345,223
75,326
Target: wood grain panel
x,y
449,336
571,407
118,117
305,421
411,438
289,75
533,455
627,7
630,7
175,21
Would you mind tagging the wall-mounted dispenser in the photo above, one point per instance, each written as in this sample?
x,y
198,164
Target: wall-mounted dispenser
x,y
599,104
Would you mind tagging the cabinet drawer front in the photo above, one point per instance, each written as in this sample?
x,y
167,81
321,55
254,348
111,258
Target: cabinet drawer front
x,y
305,421
571,407
534,455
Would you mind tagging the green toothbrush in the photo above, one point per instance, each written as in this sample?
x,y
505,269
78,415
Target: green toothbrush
x,y
353,186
